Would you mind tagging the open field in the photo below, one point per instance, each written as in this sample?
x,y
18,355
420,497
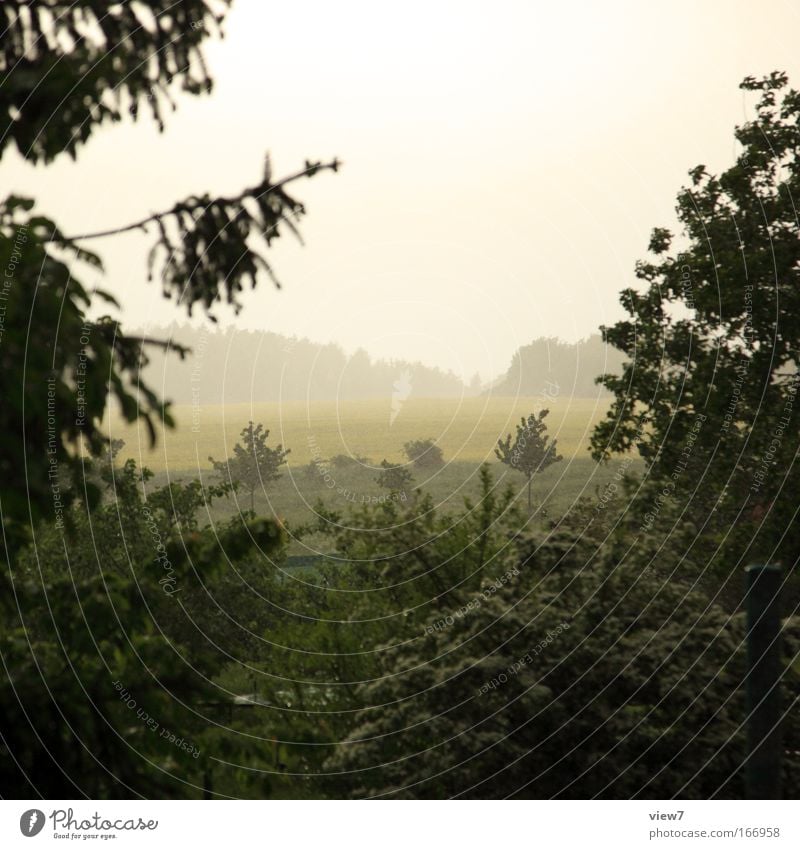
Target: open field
x,y
466,430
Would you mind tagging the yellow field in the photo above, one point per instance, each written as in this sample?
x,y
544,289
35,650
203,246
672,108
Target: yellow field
x,y
465,429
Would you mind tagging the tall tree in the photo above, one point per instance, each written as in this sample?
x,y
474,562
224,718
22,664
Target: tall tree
x,y
66,70
253,463
707,394
531,450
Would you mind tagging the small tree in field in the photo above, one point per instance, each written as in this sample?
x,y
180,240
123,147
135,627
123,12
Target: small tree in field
x,y
424,453
253,462
532,451
394,478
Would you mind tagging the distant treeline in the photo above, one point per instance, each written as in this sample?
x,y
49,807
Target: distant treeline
x,y
549,367
245,365
233,366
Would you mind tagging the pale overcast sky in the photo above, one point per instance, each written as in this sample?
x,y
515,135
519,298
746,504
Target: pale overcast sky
x,y
504,162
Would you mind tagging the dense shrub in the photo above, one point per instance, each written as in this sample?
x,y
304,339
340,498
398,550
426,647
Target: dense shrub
x,y
582,679
424,453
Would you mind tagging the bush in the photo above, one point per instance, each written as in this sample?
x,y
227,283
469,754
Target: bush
x,y
348,461
580,679
111,633
424,453
394,478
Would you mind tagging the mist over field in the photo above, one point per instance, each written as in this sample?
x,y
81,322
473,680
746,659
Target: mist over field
x,y
234,366
400,402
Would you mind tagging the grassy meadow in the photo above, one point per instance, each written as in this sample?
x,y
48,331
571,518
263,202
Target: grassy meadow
x,y
466,430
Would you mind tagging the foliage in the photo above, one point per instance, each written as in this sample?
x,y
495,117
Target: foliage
x,y
180,502
127,596
600,680
66,731
532,450
64,75
112,632
253,463
207,243
548,367
391,571
348,461
70,67
393,477
426,654
424,453
707,395
59,370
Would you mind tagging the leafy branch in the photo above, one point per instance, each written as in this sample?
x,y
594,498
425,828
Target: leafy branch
x,y
206,243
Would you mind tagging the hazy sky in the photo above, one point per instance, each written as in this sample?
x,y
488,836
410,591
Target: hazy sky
x,y
504,162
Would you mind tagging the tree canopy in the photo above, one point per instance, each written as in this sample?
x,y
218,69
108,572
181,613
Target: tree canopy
x,y
707,392
68,69
107,601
